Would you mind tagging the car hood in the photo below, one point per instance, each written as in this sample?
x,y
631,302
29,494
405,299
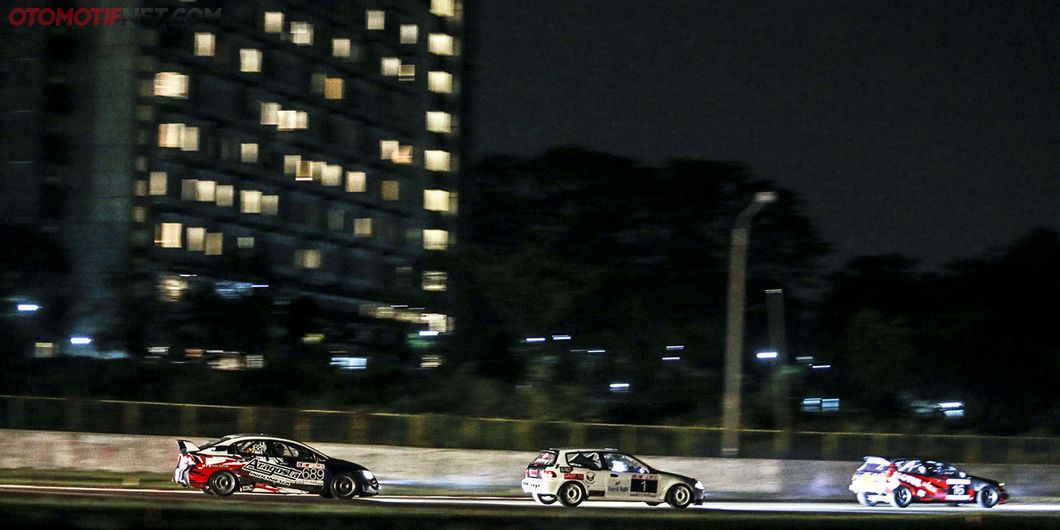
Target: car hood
x,y
339,464
980,481
687,480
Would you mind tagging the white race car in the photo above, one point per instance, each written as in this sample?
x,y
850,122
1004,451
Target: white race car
x,y
574,475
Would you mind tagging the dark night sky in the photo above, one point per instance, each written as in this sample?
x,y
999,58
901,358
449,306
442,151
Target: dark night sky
x,y
926,128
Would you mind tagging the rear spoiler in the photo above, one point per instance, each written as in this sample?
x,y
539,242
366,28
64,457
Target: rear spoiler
x,y
878,460
186,447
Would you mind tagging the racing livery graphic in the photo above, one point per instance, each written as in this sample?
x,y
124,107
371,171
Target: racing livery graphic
x,y
901,482
260,463
574,475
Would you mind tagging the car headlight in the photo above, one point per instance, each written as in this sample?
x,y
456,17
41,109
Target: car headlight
x,y
699,485
367,474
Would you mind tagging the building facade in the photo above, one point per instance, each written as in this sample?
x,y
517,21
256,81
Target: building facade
x,y
318,141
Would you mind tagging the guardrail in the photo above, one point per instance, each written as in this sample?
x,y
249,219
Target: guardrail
x,y
442,431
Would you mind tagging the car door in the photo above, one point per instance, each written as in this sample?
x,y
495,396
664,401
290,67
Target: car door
x,y
621,470
310,466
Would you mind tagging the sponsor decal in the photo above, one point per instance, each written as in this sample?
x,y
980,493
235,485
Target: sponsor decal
x,y
258,468
590,477
247,487
310,465
644,484
574,476
566,469
596,493
617,489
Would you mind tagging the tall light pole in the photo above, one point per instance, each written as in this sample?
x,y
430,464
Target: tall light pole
x,y
778,339
741,232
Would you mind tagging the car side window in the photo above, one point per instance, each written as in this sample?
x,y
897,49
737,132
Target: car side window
x,y
586,460
303,453
280,450
620,463
250,448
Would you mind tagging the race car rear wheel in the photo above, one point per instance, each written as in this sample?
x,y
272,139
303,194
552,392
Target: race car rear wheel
x,y
901,497
344,486
542,498
863,499
987,497
223,483
571,494
679,496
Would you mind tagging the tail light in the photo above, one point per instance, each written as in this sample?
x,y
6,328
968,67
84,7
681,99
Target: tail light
x,y
550,473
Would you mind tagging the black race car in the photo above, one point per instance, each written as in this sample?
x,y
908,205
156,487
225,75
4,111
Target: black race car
x,y
260,463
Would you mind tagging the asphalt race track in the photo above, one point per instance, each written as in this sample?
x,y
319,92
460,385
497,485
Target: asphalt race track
x,y
521,512
463,501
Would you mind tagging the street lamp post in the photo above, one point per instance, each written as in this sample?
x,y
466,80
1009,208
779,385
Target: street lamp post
x,y
778,339
741,232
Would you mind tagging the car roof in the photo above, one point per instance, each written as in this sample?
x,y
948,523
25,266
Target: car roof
x,y
233,438
585,450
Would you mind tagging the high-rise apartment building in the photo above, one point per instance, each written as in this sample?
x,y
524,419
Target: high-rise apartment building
x,y
320,139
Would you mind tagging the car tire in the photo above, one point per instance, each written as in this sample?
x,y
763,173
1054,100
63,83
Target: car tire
x,y
863,499
542,498
571,494
987,497
223,483
900,497
344,486
679,496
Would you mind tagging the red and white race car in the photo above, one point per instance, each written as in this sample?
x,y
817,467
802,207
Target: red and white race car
x,y
900,482
260,463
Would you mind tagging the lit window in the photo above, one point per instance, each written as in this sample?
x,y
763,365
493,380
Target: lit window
x,y
157,183
436,160
245,242
289,120
441,44
206,191
214,243
270,204
407,72
171,85
170,134
189,189
302,33
168,235
356,181
443,8
226,195
434,239
375,19
291,163
304,171
307,258
333,88
331,175
435,281
409,33
273,22
362,227
190,139
248,153
341,48
204,44
196,238
440,82
270,113
388,148
140,188
335,220
249,60
403,155
391,190
439,122
391,66
436,200
139,214
250,201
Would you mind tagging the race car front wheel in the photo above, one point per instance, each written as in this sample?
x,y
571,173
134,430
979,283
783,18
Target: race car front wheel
x,y
344,486
571,494
223,483
901,497
544,499
679,496
987,497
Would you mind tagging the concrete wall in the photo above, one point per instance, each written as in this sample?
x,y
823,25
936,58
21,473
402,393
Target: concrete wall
x,y
466,470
